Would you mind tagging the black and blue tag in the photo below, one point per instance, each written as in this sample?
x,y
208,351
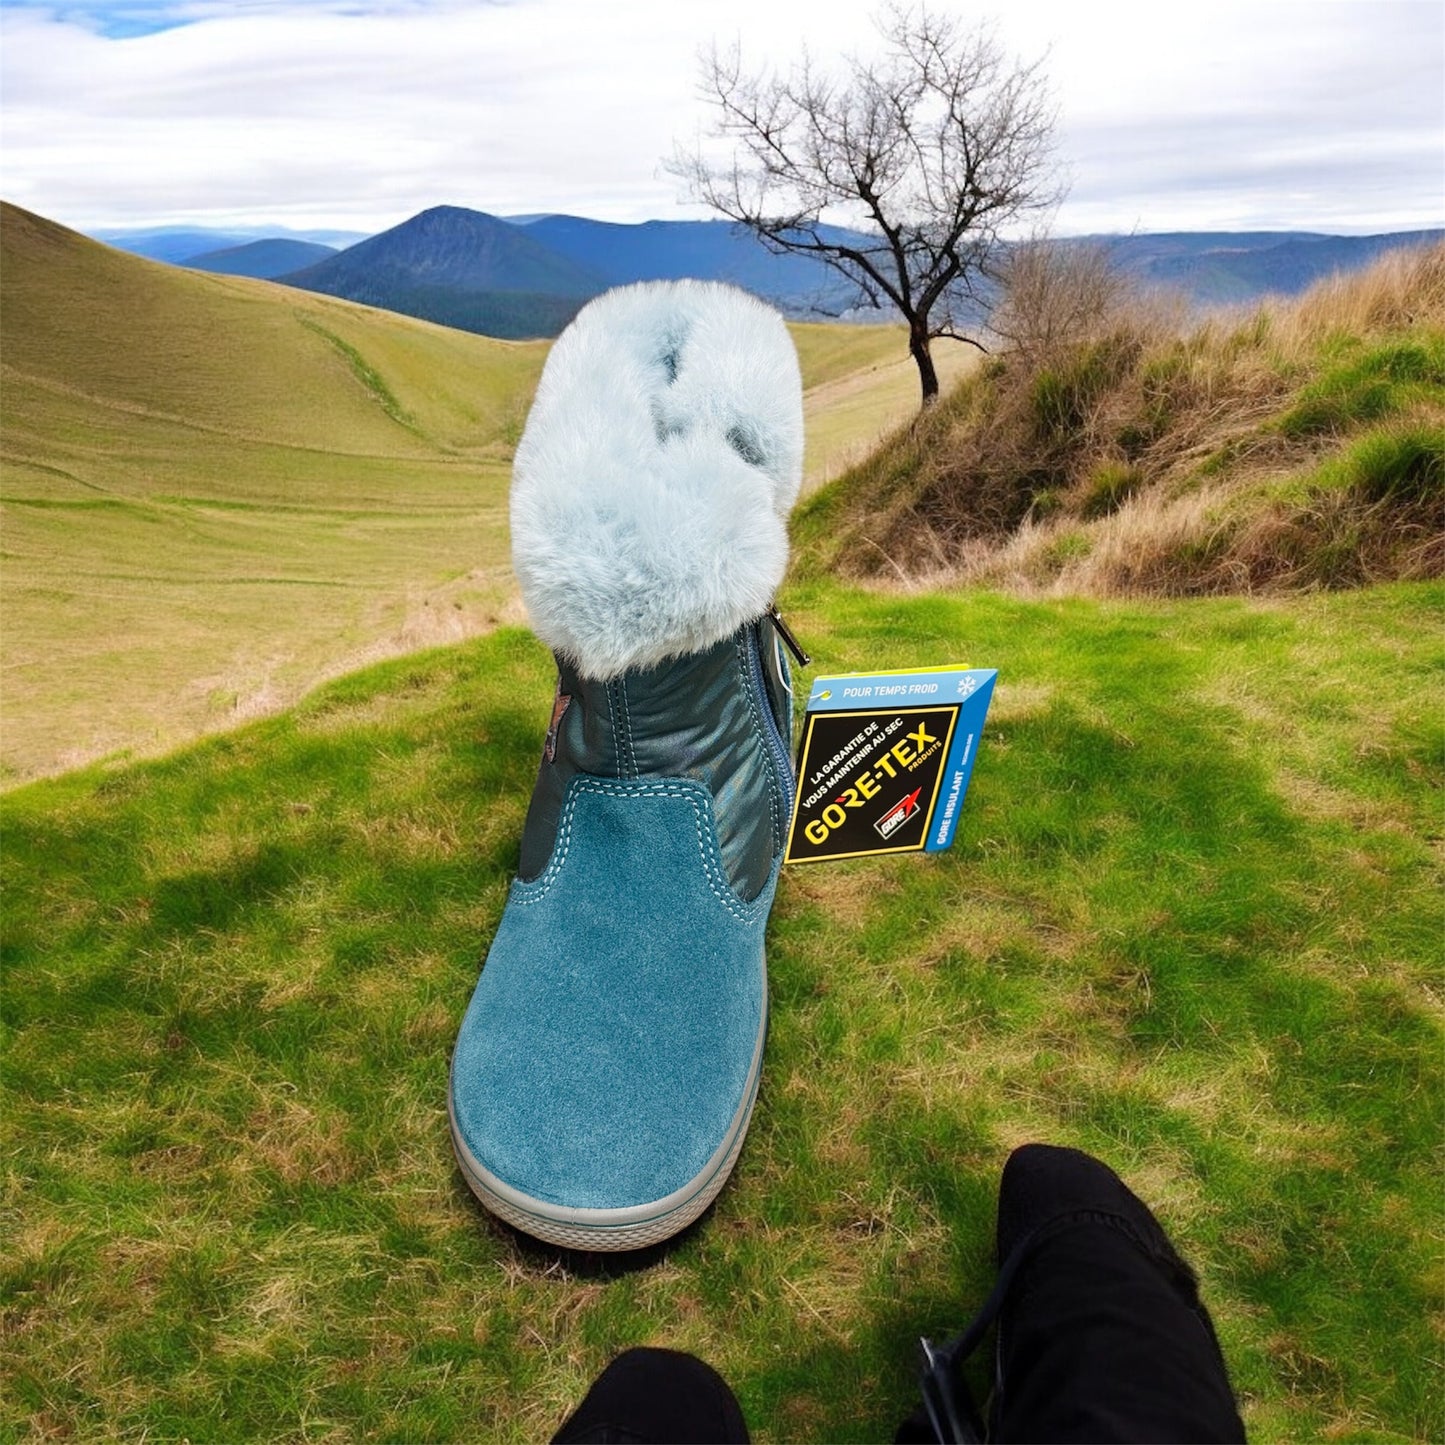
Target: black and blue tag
x,y
885,761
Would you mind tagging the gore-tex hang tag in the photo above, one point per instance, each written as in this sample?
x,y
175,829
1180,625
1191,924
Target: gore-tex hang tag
x,y
885,761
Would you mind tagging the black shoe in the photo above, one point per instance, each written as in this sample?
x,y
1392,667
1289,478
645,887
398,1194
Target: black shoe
x,y
656,1397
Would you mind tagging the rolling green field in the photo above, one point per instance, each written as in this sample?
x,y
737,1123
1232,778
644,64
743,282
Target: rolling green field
x,y
216,492
1192,923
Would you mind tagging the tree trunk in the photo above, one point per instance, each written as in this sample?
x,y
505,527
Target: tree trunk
x,y
919,350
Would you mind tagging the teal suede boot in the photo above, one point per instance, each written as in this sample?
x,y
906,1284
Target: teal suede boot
x,y
606,1069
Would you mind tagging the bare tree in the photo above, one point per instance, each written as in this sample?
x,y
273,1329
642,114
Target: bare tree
x,y
940,141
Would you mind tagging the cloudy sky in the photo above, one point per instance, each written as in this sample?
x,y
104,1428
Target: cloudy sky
x,y
1219,114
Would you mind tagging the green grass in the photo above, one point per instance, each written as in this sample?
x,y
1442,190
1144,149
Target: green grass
x,y
365,373
1192,923
1368,385
1109,486
1396,464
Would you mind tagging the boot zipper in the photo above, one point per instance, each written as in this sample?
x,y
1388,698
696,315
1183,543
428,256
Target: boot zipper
x,y
778,749
786,633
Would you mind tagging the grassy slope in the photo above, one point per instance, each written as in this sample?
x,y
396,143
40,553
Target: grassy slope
x,y
1192,922
217,491
1300,446
861,383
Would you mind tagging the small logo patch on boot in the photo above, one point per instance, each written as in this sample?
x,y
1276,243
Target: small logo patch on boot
x,y
559,706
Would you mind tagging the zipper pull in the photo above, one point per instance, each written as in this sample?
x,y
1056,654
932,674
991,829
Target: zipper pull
x,y
785,632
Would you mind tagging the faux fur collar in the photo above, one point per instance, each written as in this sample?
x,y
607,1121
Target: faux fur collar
x,y
652,485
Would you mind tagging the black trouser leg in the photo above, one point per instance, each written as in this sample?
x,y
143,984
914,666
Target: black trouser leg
x,y
1102,1336
656,1397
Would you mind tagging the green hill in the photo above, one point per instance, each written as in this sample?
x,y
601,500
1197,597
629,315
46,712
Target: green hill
x,y
216,490
1191,923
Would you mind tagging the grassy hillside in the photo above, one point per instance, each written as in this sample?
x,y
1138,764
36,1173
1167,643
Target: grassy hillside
x,y
217,491
1192,922
1301,445
861,384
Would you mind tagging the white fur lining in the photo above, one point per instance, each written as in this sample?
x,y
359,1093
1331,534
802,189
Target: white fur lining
x,y
653,483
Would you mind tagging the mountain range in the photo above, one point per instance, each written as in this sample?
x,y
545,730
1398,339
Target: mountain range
x,y
527,276
181,244
263,260
510,279
1222,268
459,268
717,250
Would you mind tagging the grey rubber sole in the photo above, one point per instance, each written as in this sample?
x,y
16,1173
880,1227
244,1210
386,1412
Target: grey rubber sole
x,y
632,1227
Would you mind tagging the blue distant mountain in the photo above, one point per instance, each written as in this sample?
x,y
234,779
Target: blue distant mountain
x,y
1223,267
170,243
460,268
178,244
449,246
444,263
528,275
265,260
713,250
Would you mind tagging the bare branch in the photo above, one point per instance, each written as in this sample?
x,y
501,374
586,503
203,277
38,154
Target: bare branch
x,y
939,141
1055,293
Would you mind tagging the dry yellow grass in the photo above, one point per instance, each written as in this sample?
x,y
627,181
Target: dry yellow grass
x,y
1402,290
1297,445
847,416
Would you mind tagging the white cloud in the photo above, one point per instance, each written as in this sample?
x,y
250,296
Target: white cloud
x,y
1268,113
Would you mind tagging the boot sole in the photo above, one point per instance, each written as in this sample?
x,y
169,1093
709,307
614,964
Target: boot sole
x,y
632,1227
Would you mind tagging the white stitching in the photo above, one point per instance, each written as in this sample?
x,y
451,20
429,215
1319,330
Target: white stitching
x,y
528,891
627,726
525,894
618,743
